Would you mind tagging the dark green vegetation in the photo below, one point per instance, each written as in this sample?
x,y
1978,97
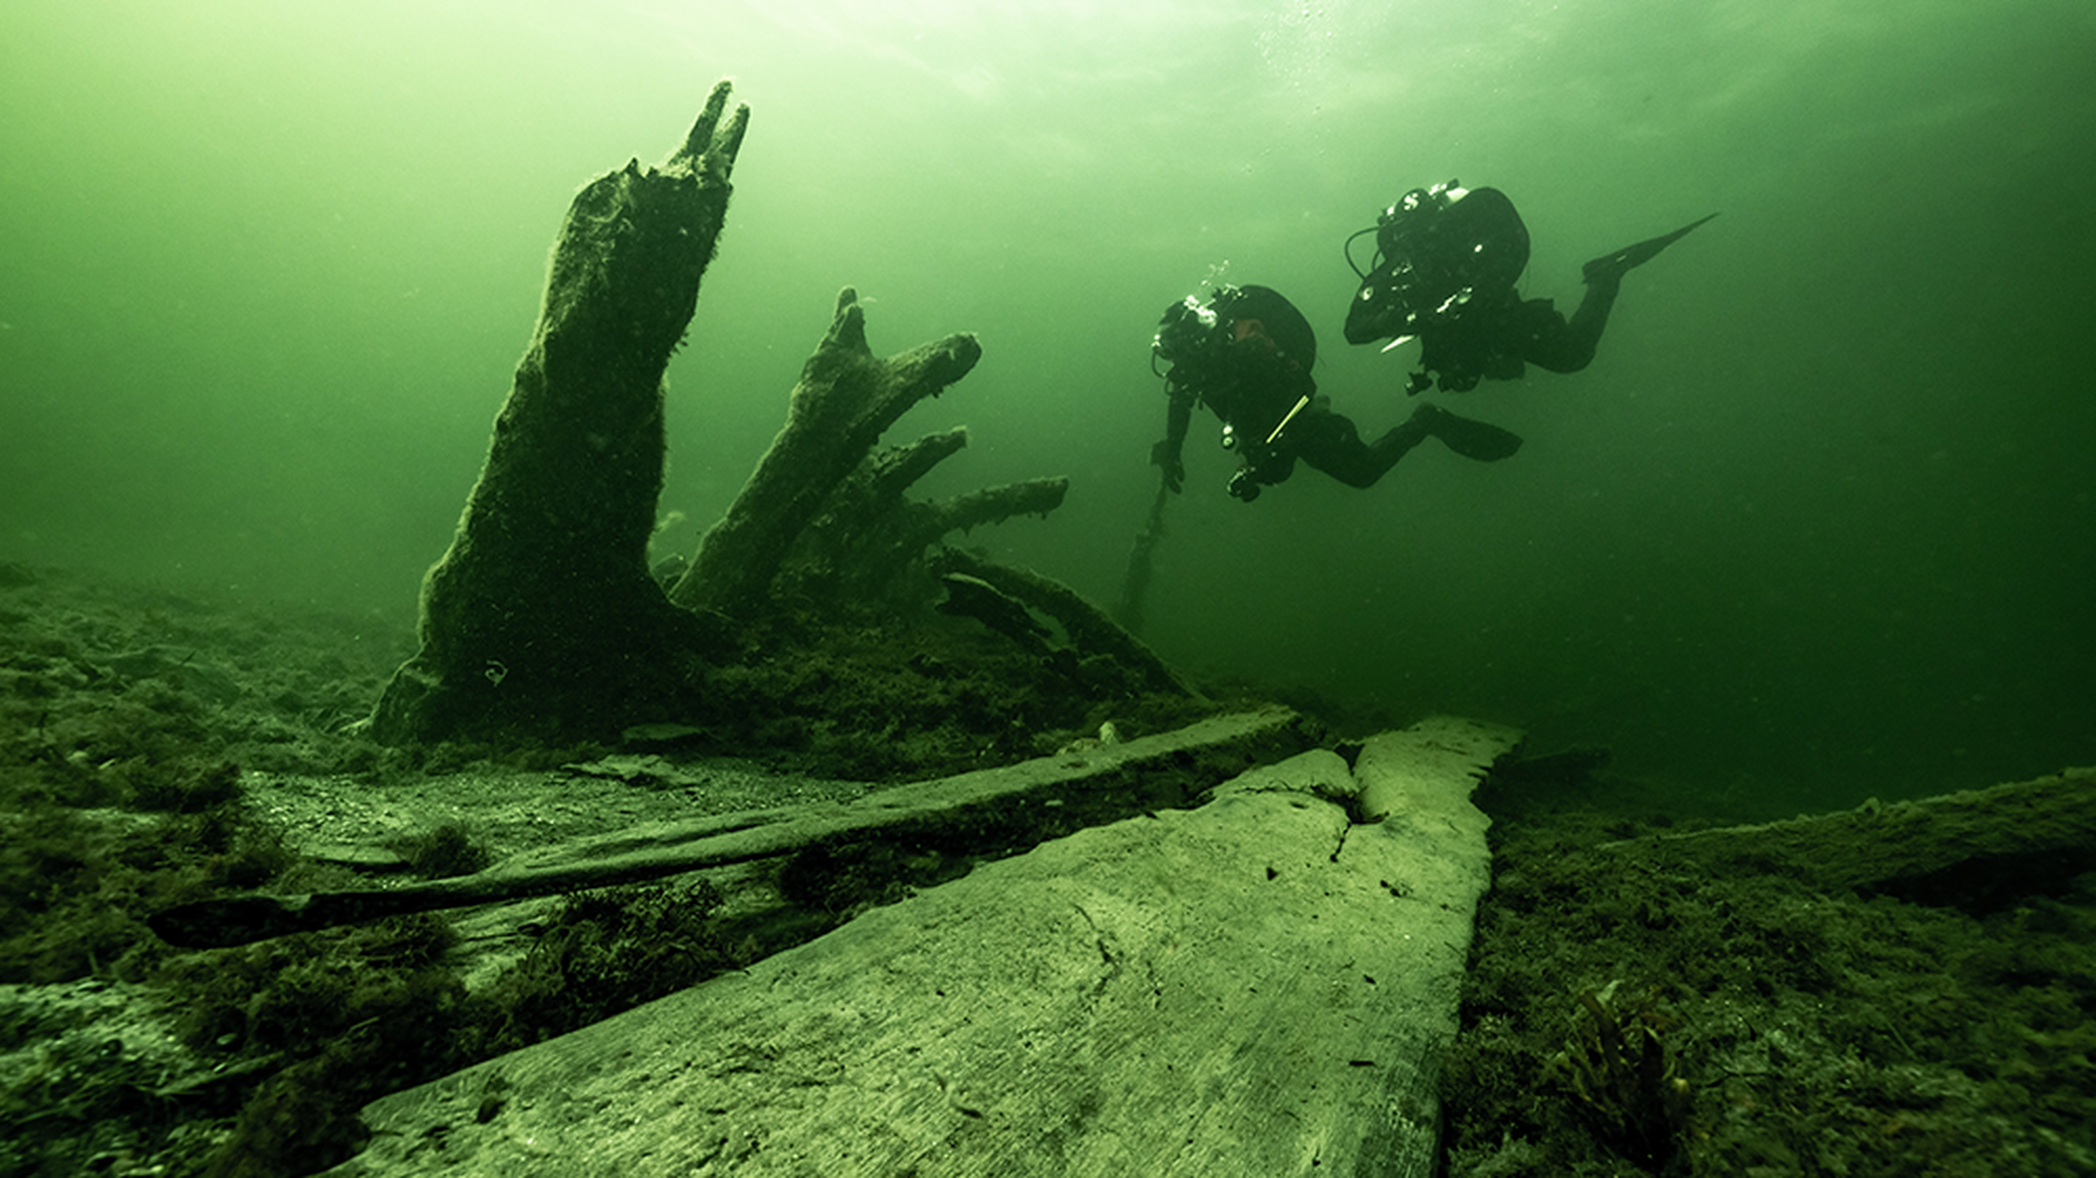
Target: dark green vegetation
x,y
123,723
1645,1014
344,1016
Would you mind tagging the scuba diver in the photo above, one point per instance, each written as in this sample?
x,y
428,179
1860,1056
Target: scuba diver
x,y
1444,271
1246,353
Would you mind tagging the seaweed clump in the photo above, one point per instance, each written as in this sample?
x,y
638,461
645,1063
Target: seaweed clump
x,y
309,1028
1618,1067
446,850
610,950
320,1024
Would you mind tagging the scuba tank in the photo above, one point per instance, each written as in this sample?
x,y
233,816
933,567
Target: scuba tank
x,y
1438,250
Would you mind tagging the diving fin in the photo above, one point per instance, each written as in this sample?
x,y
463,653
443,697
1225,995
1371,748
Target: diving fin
x,y
1478,440
1623,261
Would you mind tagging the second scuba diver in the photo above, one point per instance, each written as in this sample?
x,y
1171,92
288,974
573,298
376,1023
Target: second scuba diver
x,y
1444,271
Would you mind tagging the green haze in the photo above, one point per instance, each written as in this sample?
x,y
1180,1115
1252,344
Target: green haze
x,y
1816,524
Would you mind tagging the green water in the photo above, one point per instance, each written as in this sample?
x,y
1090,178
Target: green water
x,y
1816,524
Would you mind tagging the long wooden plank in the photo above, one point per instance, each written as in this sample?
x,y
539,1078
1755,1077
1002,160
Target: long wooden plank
x,y
988,808
1259,985
1964,848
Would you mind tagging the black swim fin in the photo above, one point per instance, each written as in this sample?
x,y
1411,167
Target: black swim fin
x,y
1478,440
1623,261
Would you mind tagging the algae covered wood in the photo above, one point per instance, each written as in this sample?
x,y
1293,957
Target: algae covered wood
x,y
1965,849
986,812
1256,986
845,399
868,532
542,617
1090,630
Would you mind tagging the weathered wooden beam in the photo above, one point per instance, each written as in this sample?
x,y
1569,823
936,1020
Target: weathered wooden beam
x,y
988,812
1967,849
1091,631
1258,986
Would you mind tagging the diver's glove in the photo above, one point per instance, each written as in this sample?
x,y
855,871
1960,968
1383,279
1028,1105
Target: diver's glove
x,y
1244,486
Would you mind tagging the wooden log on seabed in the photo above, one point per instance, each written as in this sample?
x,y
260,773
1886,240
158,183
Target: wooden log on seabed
x,y
1258,986
986,812
1973,849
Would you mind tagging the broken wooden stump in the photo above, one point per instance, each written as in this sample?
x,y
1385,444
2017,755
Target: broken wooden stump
x,y
1093,636
846,398
542,618
858,547
1256,986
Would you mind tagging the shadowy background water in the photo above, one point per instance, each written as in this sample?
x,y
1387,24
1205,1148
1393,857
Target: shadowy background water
x,y
1817,523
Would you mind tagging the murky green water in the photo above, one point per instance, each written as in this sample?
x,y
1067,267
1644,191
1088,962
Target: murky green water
x,y
1816,523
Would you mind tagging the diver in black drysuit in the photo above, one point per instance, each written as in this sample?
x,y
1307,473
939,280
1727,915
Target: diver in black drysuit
x,y
1446,262
1247,354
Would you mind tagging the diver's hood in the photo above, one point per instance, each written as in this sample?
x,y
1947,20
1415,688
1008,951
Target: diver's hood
x,y
1438,250
1286,325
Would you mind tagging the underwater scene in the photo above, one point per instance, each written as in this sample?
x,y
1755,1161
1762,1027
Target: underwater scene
x,y
471,604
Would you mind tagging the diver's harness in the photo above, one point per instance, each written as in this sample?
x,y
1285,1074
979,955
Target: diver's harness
x,y
1197,339
1438,249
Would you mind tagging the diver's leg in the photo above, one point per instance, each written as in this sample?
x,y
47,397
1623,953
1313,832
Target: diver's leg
x,y
1333,446
1563,346
1477,440
1615,265
1330,443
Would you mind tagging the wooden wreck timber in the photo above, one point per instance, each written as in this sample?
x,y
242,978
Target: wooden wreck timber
x,y
544,620
1973,849
823,517
986,812
542,615
1259,985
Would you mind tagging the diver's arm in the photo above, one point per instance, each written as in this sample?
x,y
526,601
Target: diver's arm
x,y
1167,454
